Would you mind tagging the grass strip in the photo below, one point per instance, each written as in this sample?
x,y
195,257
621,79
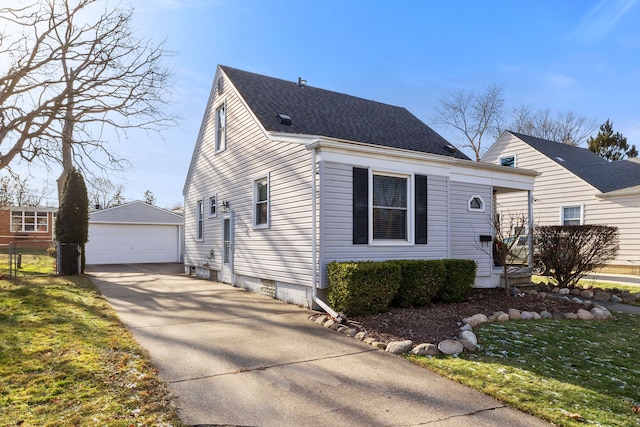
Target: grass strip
x,y
568,372
65,360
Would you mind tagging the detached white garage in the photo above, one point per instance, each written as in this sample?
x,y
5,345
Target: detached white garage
x,y
134,233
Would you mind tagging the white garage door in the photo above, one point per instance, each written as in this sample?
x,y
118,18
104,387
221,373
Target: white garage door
x,y
127,244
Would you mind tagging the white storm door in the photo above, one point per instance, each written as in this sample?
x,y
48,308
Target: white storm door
x,y
227,248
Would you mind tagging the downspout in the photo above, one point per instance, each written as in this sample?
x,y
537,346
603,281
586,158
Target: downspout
x,y
314,239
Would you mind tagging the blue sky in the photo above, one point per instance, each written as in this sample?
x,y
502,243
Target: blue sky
x,y
581,56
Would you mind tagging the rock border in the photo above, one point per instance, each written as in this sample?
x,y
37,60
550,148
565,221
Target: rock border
x,y
467,340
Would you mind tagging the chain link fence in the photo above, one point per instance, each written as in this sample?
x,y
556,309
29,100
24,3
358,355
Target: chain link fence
x,y
28,258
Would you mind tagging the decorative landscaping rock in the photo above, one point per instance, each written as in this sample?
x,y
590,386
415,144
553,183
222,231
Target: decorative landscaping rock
x,y
399,347
563,298
321,319
602,296
557,314
615,298
555,290
466,327
586,294
425,350
533,292
514,314
469,336
361,335
379,344
542,295
450,347
564,291
545,314
500,316
528,315
476,319
570,316
329,323
468,345
351,332
369,340
577,300
629,299
342,329
575,291
584,315
600,313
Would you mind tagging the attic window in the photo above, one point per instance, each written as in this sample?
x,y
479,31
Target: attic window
x,y
284,119
220,85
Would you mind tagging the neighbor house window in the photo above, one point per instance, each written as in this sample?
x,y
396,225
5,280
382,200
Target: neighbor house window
x,y
261,202
32,221
221,130
200,220
213,205
475,203
509,161
390,207
571,215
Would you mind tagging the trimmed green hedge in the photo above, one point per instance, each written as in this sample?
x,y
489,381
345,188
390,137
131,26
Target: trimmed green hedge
x,y
459,279
421,280
364,287
368,287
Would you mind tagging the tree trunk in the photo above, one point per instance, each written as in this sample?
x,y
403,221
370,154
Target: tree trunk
x,y
67,139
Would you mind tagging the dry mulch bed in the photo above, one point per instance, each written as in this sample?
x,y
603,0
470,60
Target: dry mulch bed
x,y
437,322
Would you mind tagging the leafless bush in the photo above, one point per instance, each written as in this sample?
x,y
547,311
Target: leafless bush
x,y
572,251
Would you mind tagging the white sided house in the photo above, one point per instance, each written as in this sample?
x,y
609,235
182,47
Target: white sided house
x,y
576,186
135,233
286,178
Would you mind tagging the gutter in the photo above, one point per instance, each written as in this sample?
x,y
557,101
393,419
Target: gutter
x,y
314,240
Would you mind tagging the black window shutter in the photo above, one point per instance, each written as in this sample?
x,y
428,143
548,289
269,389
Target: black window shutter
x,y
421,209
360,206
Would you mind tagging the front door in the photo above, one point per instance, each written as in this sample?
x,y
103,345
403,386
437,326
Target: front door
x,y
227,248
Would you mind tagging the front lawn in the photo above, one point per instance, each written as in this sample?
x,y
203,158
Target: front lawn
x,y
65,359
34,262
571,373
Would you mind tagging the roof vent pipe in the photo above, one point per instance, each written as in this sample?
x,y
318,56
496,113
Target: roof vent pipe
x,y
301,82
285,119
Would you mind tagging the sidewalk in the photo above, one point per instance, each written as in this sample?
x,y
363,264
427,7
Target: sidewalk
x,y
234,357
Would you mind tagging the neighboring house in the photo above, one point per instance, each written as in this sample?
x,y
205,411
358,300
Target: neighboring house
x,y
134,232
33,226
575,187
286,177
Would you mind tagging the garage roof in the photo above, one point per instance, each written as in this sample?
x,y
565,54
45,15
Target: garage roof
x,y
136,212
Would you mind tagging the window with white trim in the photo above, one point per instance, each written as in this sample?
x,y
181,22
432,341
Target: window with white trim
x,y
509,161
213,205
475,204
261,203
390,207
200,220
571,215
221,128
29,221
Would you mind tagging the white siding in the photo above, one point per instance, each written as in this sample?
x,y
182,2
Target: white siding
x,y
337,228
281,252
466,226
557,187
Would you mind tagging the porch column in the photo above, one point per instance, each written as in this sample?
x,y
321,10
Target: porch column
x,y
531,225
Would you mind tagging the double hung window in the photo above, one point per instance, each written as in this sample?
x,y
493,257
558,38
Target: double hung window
x,y
261,202
571,215
390,207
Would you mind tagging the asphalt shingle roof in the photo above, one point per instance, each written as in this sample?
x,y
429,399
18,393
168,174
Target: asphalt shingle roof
x,y
330,114
604,175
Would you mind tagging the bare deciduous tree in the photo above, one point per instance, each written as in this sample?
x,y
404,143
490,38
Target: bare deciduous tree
x,y
564,127
67,78
571,251
15,191
104,194
475,114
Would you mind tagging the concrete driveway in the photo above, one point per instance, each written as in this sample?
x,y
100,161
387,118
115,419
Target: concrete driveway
x,y
237,358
